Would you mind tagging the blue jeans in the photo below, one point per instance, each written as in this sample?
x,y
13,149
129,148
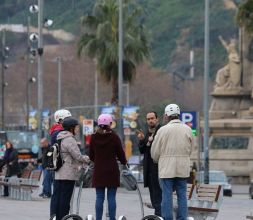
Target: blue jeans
x,y
180,185
47,182
111,198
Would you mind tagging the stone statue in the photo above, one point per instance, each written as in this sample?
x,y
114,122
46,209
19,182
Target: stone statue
x,y
229,77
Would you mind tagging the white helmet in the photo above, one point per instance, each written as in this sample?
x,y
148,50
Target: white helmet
x,y
61,114
172,109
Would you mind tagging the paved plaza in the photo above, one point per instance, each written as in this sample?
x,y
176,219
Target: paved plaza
x,y
235,208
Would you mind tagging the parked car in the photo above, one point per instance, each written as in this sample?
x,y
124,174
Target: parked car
x,y
251,189
217,177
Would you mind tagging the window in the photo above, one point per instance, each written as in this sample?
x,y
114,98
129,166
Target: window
x,y
229,142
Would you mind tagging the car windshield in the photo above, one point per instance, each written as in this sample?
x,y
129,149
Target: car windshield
x,y
214,177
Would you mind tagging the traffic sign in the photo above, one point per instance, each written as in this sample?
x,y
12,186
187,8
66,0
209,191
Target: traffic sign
x,y
190,118
88,126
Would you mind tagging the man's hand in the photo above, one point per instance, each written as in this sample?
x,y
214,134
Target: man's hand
x,y
140,134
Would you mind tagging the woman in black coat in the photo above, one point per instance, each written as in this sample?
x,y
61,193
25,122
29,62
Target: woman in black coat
x,y
11,161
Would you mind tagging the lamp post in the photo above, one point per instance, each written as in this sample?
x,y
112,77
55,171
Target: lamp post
x,y
206,112
96,92
4,55
40,66
34,37
120,70
59,64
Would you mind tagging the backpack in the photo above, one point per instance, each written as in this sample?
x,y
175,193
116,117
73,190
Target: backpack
x,y
53,157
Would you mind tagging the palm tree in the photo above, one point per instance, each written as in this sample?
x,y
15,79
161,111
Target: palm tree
x,y
100,41
245,15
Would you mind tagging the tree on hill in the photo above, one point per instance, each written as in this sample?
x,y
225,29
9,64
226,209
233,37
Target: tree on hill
x,y
245,15
100,41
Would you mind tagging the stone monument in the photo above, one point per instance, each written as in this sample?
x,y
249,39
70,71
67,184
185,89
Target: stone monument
x,y
231,113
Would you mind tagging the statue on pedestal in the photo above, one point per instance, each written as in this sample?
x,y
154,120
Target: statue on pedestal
x,y
229,77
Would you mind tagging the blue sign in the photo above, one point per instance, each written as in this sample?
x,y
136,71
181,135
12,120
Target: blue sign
x,y
189,118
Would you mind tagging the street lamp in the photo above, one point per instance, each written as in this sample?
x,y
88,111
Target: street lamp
x,y
206,112
120,70
34,37
4,55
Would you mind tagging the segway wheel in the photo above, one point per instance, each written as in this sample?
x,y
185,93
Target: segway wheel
x,y
152,217
72,217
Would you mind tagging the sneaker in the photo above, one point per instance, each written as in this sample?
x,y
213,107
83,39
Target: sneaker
x,y
41,195
46,196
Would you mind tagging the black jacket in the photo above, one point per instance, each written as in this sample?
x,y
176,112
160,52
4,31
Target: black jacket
x,y
43,158
11,161
149,167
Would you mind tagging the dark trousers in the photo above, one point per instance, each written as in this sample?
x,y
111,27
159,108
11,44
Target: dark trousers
x,y
63,190
53,200
155,194
6,188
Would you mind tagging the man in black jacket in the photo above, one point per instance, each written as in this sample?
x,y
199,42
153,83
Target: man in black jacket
x,y
150,169
47,174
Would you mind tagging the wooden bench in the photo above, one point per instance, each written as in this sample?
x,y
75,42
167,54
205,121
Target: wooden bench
x,y
207,202
22,188
28,186
14,183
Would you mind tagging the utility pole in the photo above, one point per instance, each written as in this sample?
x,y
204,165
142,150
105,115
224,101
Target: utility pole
x,y
3,76
40,66
120,70
59,64
28,73
96,92
206,93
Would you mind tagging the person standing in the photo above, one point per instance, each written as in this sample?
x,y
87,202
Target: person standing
x,y
59,116
171,148
66,176
47,174
105,149
10,159
150,169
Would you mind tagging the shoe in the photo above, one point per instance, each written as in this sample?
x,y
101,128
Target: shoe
x,y
41,195
46,196
148,205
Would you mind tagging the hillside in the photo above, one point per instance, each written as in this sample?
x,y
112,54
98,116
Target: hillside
x,y
176,26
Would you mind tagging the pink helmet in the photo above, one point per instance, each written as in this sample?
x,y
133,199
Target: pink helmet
x,y
105,119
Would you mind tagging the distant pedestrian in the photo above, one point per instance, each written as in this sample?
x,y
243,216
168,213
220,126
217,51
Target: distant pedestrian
x,y
47,174
171,148
10,159
105,150
150,169
66,176
59,116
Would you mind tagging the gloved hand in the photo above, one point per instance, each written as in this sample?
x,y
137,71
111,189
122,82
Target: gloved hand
x,y
86,158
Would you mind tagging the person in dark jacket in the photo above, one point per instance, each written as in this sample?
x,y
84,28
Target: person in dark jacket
x,y
59,116
47,174
150,169
105,149
11,161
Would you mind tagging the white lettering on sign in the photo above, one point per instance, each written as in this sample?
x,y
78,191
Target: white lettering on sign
x,y
187,117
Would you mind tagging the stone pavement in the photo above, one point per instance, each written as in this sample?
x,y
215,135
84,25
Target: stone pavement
x,y
235,208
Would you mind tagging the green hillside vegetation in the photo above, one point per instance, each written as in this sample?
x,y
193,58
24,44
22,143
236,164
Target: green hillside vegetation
x,y
171,22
